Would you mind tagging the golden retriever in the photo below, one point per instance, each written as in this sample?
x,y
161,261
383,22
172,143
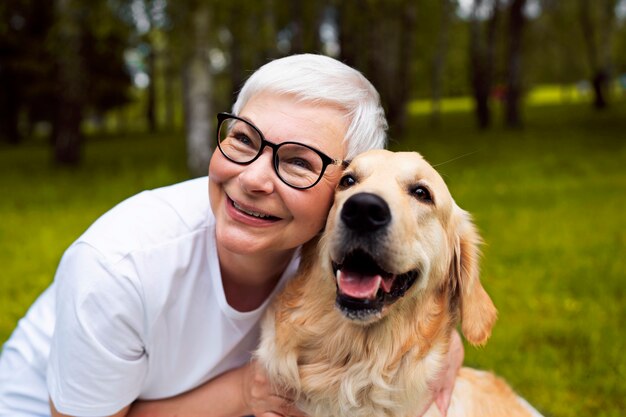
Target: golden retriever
x,y
365,325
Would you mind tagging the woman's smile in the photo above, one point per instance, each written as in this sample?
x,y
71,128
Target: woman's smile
x,y
249,215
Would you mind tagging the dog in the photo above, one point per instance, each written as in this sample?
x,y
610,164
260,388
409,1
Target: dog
x,y
364,327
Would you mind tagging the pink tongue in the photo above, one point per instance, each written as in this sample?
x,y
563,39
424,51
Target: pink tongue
x,y
357,285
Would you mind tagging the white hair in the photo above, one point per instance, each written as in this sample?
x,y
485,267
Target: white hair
x,y
321,79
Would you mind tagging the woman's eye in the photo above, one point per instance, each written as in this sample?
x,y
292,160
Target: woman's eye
x,y
347,181
243,138
423,194
300,163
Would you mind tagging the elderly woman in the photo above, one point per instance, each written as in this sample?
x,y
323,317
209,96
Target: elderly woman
x,y
154,310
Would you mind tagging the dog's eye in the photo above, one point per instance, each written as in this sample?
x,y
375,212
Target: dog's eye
x,y
347,181
423,194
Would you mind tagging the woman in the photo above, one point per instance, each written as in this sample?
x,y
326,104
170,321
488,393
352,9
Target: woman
x,y
160,299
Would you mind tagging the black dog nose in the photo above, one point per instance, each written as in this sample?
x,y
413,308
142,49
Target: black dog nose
x,y
365,212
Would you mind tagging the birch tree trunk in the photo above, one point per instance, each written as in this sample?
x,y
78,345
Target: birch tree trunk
x,y
197,92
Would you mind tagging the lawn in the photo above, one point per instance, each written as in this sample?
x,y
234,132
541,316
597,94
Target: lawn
x,y
548,199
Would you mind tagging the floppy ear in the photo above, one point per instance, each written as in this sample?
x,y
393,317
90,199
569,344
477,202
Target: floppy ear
x,y
478,314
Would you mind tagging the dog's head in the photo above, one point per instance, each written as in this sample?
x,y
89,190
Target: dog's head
x,y
395,235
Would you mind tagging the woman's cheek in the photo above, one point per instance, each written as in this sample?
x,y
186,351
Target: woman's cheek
x,y
217,168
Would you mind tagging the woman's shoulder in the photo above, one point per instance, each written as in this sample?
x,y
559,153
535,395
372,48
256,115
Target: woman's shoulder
x,y
151,219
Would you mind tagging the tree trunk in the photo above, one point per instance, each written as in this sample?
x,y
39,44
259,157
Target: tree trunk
x,y
168,95
476,68
388,45
237,75
447,8
599,81
514,66
598,47
268,32
305,23
403,83
349,34
67,134
9,106
297,40
482,53
197,92
151,96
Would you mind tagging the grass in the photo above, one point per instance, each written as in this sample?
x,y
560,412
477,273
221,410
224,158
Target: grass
x,y
549,201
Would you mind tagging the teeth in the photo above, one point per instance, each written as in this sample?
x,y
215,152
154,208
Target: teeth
x,y
251,213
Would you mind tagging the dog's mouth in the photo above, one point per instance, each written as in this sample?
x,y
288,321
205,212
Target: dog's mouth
x,y
364,287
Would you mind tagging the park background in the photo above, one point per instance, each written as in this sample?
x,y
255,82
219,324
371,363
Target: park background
x,y
521,105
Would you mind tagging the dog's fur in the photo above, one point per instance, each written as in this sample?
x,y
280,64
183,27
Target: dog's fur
x,y
379,362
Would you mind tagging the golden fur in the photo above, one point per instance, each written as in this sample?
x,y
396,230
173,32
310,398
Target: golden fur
x,y
382,365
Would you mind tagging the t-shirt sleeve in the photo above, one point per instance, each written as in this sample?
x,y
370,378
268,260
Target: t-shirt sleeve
x,y
97,359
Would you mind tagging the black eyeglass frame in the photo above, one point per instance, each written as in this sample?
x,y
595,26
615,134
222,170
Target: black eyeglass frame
x,y
326,160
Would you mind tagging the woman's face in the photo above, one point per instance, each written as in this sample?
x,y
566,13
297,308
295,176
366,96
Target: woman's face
x,y
255,211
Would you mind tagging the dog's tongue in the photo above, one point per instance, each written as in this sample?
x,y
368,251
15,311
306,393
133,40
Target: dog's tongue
x,y
357,285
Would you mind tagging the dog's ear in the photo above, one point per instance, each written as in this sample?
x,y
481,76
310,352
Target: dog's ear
x,y
478,314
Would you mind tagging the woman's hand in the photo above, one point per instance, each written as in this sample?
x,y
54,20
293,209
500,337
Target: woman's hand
x,y
240,391
260,397
443,386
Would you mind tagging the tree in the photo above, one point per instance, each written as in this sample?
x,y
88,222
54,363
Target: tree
x,y
552,53
88,42
383,52
597,24
60,61
197,92
482,52
443,35
71,84
26,88
513,92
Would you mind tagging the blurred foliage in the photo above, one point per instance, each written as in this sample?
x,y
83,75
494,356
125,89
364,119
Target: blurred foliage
x,y
409,49
30,44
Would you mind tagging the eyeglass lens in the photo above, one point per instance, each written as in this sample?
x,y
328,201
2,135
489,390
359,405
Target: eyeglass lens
x,y
296,164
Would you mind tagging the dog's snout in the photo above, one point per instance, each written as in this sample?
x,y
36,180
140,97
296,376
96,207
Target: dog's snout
x,y
365,212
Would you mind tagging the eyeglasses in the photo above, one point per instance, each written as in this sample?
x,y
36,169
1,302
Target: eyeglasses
x,y
296,164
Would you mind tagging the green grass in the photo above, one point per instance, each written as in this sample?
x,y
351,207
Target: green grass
x,y
549,201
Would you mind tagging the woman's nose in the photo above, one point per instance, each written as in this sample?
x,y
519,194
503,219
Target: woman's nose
x,y
259,176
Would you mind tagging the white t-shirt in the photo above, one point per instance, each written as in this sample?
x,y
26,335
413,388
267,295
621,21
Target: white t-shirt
x,y
136,310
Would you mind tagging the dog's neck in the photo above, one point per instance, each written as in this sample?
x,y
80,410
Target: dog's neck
x,y
333,355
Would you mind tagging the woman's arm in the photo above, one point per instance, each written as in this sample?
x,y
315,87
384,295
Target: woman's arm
x,y
241,391
54,413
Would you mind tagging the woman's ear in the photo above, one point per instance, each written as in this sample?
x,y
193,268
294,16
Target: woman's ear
x,y
478,314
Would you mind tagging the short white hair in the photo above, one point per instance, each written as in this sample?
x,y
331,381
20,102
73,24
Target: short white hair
x,y
321,79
